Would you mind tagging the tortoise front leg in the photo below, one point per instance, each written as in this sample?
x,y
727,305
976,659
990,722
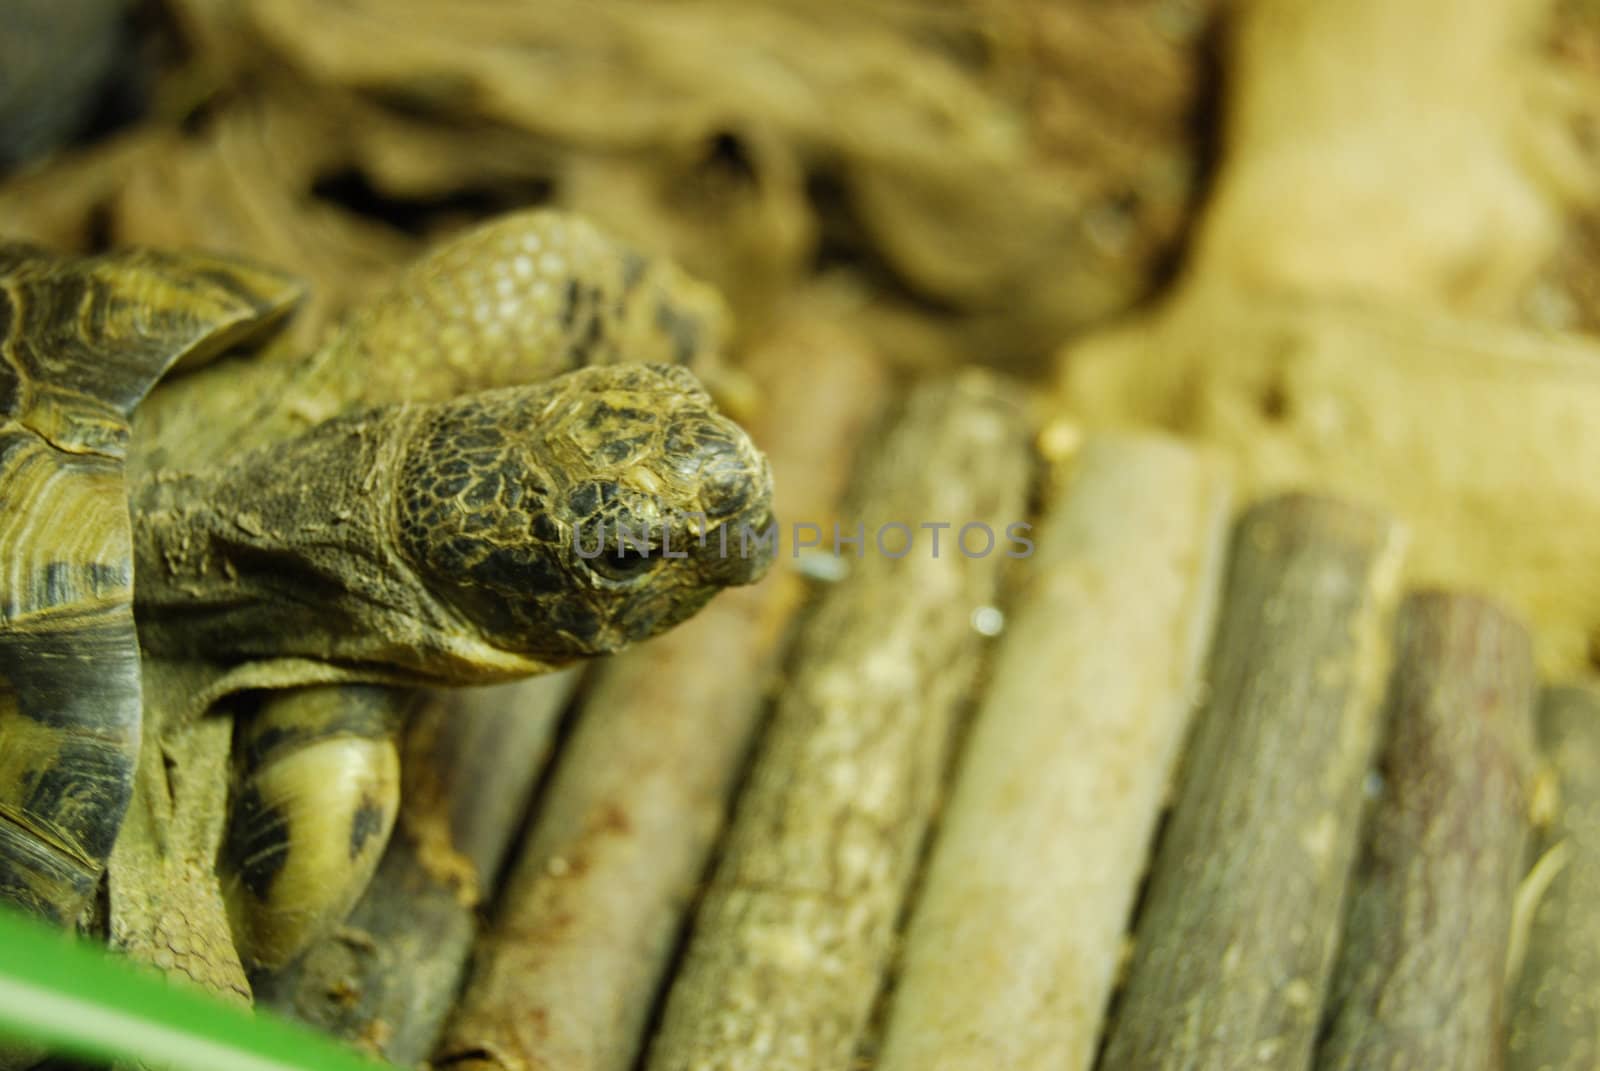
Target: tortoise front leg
x,y
166,906
200,891
317,789
408,543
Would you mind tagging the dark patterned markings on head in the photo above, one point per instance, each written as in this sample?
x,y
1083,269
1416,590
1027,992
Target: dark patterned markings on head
x,y
506,569
603,446
585,500
573,618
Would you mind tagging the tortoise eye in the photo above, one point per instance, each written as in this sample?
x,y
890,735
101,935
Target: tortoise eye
x,y
626,562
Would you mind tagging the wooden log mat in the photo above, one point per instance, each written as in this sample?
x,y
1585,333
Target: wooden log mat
x,y
1236,937
791,943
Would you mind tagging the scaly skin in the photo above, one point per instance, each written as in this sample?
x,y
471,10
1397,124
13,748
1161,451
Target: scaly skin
x,y
516,301
441,544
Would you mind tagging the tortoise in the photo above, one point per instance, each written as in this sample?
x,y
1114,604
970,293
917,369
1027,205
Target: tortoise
x,y
317,532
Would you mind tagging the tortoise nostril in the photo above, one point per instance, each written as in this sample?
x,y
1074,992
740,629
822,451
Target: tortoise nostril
x,y
748,551
731,483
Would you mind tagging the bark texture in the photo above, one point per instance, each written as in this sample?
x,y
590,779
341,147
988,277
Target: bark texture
x,y
1015,941
1555,1013
791,944
1236,939
1423,958
584,935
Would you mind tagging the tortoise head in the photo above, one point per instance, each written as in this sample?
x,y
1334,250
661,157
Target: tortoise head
x,y
588,515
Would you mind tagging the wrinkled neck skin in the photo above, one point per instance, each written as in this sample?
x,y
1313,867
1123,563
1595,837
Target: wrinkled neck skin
x,y
288,552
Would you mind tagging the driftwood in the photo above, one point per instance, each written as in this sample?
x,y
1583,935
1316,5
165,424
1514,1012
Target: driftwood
x,y
1392,176
389,976
1454,163
588,922
994,162
1017,936
1555,1014
793,938
1423,958
1236,939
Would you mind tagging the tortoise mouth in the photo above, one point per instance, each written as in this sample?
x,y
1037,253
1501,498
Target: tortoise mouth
x,y
649,587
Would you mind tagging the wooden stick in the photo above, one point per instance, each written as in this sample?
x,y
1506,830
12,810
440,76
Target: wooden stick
x,y
1555,1012
1423,959
1236,938
1016,940
792,941
389,976
587,926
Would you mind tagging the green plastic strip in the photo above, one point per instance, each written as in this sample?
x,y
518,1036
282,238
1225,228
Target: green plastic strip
x,y
75,998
